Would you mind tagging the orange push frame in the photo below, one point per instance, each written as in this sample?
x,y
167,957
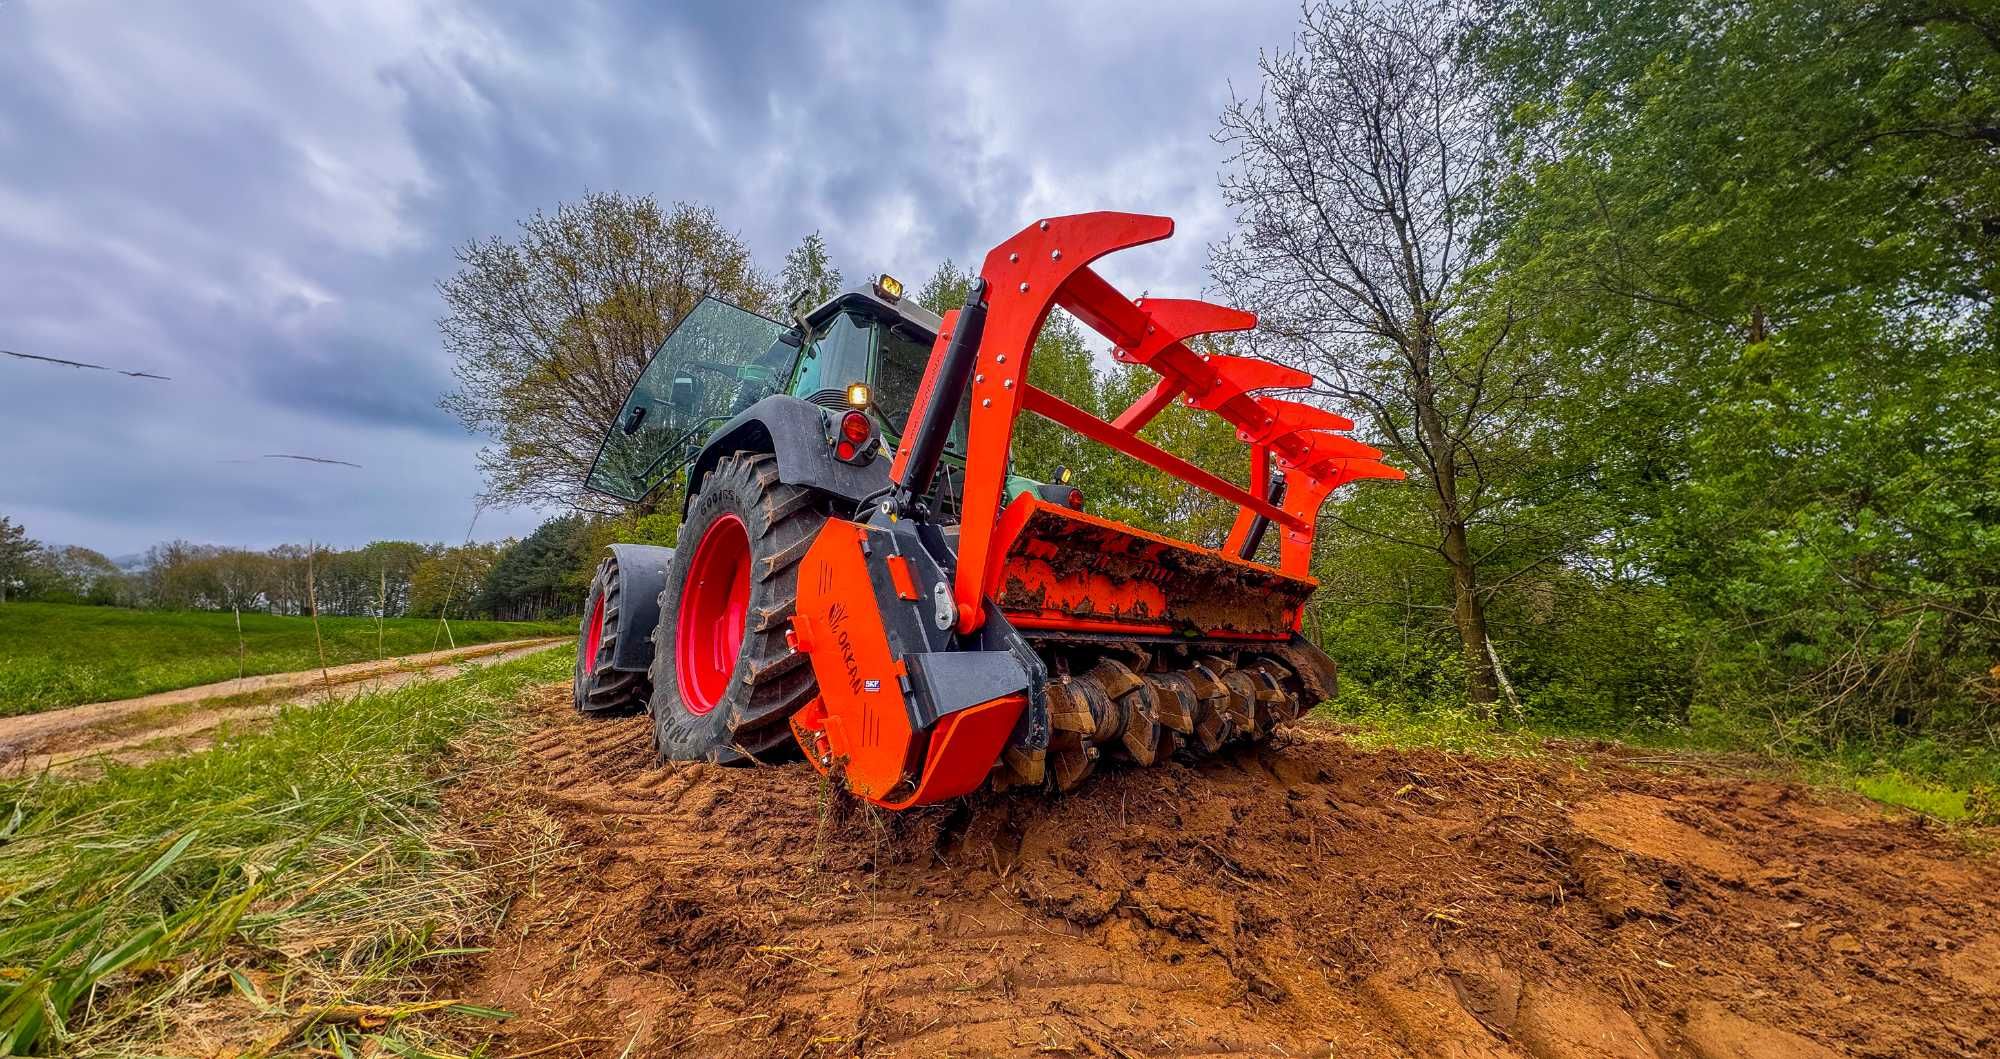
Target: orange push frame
x,y
1047,265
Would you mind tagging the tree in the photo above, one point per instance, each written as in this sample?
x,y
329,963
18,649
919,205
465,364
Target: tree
x,y
17,555
550,331
446,582
947,288
75,574
1770,227
537,578
809,274
1360,177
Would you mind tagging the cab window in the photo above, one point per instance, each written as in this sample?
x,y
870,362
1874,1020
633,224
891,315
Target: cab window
x,y
900,360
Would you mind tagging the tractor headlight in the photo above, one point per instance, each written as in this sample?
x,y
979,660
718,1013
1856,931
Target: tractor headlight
x,y
889,287
857,395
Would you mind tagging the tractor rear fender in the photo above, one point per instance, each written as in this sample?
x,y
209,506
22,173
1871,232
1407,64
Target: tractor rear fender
x,y
795,431
642,574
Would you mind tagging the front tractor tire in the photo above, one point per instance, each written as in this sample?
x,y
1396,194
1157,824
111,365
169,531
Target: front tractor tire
x,y
725,683
596,688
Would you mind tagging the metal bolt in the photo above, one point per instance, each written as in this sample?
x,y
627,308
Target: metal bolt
x,y
1003,358
1007,384
1149,329
1055,255
1024,288
946,613
1044,226
979,378
1013,257
987,403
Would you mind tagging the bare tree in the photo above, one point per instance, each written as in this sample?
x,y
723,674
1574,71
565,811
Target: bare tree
x,y
1360,177
550,330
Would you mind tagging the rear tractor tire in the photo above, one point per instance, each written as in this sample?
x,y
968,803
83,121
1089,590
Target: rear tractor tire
x,y
725,683
596,688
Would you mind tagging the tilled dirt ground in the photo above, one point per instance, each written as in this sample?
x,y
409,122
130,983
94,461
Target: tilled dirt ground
x,y
1306,898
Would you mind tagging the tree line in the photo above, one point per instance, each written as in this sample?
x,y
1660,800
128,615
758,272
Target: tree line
x,y
539,577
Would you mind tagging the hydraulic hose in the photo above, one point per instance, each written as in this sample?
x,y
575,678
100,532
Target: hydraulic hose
x,y
947,393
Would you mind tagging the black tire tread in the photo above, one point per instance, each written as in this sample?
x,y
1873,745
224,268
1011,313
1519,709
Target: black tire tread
x,y
607,692
783,521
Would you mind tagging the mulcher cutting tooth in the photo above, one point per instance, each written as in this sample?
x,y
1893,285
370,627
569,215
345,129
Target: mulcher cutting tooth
x,y
1024,768
1141,739
1071,760
1068,710
1290,684
1174,700
1242,705
1273,704
1212,726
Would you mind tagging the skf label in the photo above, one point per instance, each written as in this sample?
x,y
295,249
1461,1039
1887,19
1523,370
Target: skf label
x,y
871,685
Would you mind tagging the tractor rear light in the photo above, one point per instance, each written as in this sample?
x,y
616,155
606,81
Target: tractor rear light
x,y
853,438
1074,499
854,427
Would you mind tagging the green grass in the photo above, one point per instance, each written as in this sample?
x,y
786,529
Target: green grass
x,y
1896,789
272,882
56,654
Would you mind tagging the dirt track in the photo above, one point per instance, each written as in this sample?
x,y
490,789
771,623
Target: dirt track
x,y
1307,899
137,730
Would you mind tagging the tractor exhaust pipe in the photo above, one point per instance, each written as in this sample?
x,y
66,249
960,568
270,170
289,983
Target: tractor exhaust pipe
x,y
947,392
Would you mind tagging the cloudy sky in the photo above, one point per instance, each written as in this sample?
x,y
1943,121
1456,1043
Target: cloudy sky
x,y
257,198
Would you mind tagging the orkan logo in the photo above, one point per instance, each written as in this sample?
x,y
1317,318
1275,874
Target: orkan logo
x,y
836,617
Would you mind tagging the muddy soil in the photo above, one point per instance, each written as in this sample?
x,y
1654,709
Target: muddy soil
x,y
1305,899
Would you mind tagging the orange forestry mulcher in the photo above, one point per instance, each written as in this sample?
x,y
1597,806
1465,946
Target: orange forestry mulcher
x,y
926,623
1031,640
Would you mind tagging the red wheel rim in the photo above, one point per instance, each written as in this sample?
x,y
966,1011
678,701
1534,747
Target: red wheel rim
x,y
715,607
596,638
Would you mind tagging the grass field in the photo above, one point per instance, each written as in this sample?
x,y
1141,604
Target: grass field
x,y
54,654
297,877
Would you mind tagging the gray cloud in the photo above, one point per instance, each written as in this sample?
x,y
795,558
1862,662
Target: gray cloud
x,y
257,199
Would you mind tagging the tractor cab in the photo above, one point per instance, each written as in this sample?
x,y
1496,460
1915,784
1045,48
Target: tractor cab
x,y
864,338
864,350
